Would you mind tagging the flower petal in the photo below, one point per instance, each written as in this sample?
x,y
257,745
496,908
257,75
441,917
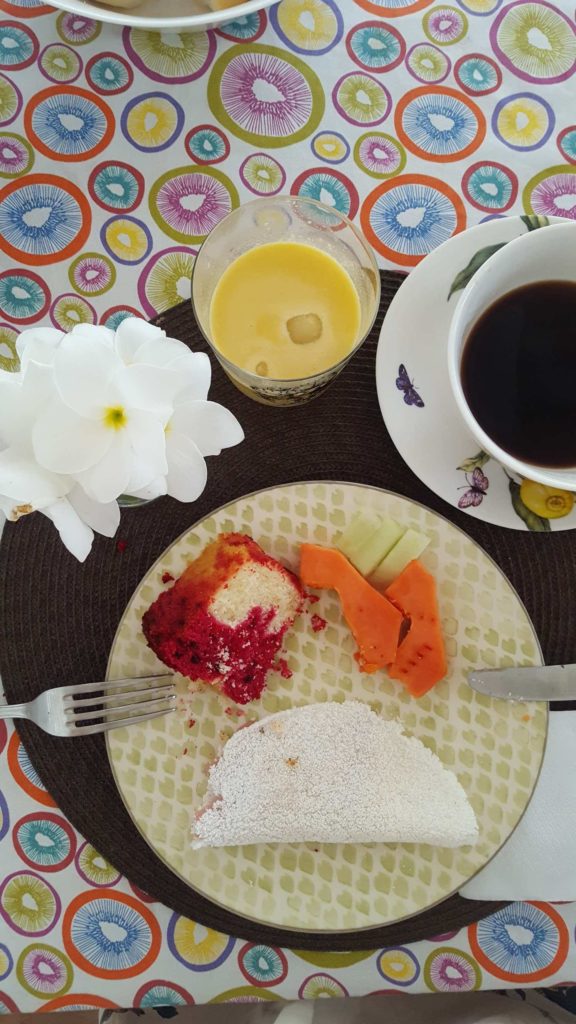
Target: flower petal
x,y
103,519
64,442
156,489
212,427
108,479
161,351
38,344
23,482
132,333
21,401
93,332
147,449
187,473
83,373
195,371
74,534
149,387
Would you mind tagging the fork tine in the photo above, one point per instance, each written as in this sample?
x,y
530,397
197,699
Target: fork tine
x,y
72,704
87,730
71,691
139,707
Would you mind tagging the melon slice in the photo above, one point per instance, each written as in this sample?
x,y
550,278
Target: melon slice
x,y
420,660
375,623
367,539
408,548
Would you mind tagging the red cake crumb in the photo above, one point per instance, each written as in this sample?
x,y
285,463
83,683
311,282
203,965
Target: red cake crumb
x,y
121,546
167,577
312,598
318,623
210,625
283,668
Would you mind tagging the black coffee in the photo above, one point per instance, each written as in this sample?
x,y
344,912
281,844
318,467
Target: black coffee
x,y
519,373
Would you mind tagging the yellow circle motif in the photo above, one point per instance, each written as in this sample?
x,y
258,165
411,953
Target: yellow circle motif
x,y
396,965
152,122
307,24
126,240
523,122
548,502
331,147
197,945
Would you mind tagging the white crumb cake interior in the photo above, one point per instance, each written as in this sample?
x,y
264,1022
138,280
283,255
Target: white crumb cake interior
x,y
256,585
332,773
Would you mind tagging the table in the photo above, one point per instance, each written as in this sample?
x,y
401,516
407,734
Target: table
x,y
118,152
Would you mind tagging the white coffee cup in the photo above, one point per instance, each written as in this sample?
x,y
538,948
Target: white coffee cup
x,y
545,254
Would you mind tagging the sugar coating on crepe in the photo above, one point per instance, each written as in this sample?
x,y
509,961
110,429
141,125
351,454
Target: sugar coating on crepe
x,y
332,773
224,619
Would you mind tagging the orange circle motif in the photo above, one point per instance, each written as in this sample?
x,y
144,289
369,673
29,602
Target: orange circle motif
x,y
90,943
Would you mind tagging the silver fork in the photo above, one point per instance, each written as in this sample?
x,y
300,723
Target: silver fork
x,y
72,710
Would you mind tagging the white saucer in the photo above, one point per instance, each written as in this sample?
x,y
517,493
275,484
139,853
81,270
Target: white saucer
x,y
423,420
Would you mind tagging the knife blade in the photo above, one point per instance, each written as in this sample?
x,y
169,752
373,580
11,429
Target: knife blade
x,y
538,682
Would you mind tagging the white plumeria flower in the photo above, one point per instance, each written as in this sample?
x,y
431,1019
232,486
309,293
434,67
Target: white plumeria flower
x,y
196,429
105,423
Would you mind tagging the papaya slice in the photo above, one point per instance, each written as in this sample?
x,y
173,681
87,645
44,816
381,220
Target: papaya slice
x,y
420,660
374,622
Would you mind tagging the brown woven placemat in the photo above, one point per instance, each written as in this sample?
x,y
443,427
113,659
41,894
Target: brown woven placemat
x,y
58,618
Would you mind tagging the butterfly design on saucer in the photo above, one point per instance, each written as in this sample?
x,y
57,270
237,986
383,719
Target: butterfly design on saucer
x,y
477,484
403,383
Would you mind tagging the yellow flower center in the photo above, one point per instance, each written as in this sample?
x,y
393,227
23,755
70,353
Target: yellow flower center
x,y
115,417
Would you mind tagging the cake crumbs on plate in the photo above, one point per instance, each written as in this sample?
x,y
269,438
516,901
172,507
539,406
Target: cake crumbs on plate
x,y
121,546
282,666
318,623
167,577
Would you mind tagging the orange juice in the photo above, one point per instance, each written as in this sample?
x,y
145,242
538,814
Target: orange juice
x,y
285,310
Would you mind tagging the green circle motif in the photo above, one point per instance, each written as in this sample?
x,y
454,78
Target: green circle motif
x,y
89,292
9,363
23,969
257,61
96,867
29,151
246,994
537,179
189,171
319,959
459,956
388,140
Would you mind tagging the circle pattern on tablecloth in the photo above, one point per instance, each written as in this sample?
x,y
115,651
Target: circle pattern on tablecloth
x,y
198,948
110,934
263,966
152,122
207,144
311,27
398,965
265,96
439,124
95,869
322,986
68,310
29,904
109,74
24,297
552,192
361,99
428,63
189,201
375,47
566,142
116,186
161,993
490,187
44,841
175,56
535,40
43,219
16,155
332,147
522,942
409,215
10,101
523,122
379,155
451,970
44,971
4,812
477,74
327,186
67,123
60,63
18,46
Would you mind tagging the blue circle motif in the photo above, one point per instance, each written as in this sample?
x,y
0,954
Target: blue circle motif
x,y
45,843
392,220
21,297
18,46
69,125
328,189
477,75
439,124
110,935
60,225
520,939
109,74
375,47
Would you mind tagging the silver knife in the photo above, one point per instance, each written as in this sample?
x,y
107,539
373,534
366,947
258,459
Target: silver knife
x,y
538,682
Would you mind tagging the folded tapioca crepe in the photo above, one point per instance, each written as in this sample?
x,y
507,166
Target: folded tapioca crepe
x,y
331,773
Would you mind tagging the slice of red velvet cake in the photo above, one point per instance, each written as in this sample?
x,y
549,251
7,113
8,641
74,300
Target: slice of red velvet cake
x,y
224,619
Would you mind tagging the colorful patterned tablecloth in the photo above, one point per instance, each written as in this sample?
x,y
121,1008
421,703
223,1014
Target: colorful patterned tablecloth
x,y
119,151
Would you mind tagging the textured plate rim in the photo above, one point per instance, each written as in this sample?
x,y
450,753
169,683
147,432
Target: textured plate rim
x,y
323,931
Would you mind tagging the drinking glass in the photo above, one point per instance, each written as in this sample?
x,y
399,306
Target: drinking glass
x,y
285,219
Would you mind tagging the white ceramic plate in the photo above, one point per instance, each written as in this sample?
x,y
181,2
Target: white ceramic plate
x,y
432,437
192,15
495,747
